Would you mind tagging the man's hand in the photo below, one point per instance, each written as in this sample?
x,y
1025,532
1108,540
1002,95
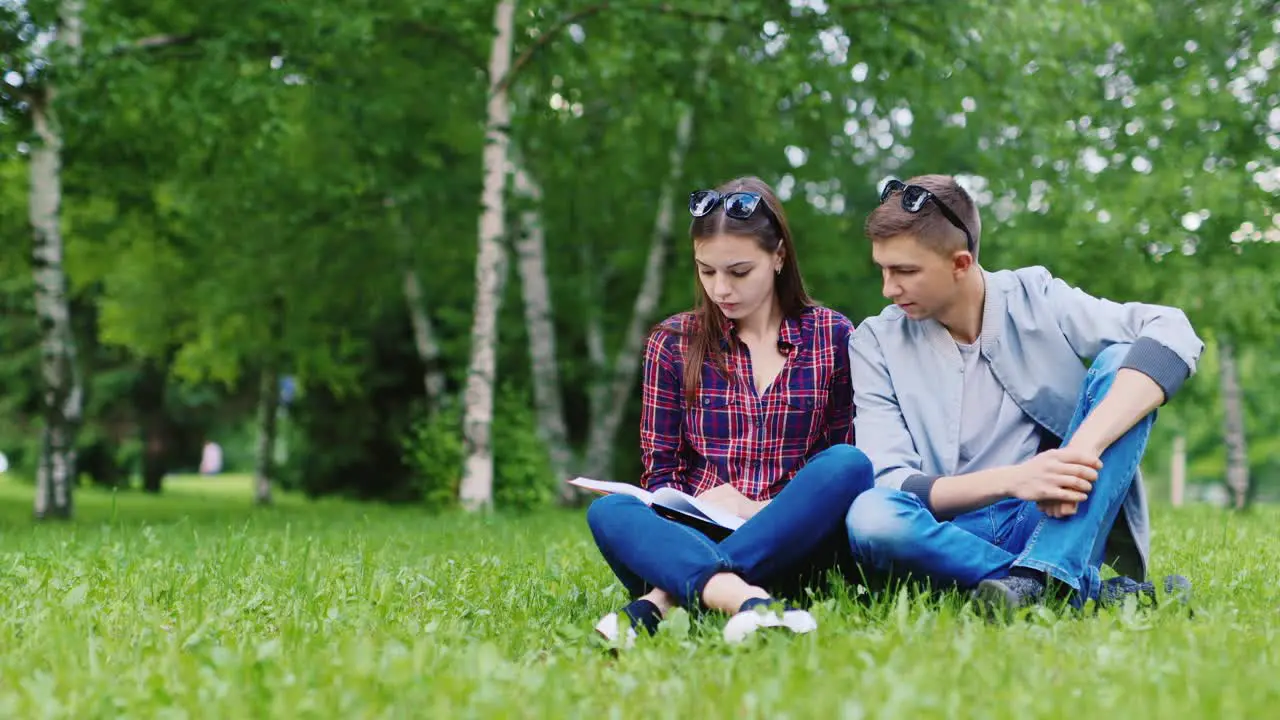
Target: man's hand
x,y
1132,396
1057,478
728,497
1058,510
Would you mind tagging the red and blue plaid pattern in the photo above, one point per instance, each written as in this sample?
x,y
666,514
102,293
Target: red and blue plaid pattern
x,y
731,435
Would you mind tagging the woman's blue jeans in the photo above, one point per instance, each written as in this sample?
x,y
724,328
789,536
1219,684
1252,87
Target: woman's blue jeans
x,y
797,536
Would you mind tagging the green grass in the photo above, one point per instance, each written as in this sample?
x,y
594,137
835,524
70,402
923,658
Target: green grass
x,y
197,605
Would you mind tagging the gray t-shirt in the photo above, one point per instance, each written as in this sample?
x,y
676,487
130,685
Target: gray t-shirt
x,y
994,431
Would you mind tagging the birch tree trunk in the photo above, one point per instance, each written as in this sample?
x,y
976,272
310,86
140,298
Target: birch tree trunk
x,y
424,333
1233,427
156,429
1178,471
264,453
598,456
424,338
531,263
63,391
597,355
476,490
609,399
269,405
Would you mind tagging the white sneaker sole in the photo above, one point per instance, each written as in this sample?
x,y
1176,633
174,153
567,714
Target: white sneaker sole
x,y
608,629
744,624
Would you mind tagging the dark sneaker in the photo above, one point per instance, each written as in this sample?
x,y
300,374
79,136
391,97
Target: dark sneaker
x,y
1002,597
766,613
1115,590
640,614
1178,588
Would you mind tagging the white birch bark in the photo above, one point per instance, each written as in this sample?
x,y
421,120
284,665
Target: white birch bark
x,y
1178,471
1233,427
63,391
476,490
535,288
425,340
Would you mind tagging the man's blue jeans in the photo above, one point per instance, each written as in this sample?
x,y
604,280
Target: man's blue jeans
x,y
891,530
800,532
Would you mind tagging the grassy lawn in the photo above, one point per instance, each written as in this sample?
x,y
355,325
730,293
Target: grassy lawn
x,y
197,605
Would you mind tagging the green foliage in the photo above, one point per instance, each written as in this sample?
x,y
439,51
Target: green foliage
x,y
434,452
19,338
523,481
522,470
226,190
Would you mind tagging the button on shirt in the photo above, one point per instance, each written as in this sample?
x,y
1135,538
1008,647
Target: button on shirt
x,y
732,434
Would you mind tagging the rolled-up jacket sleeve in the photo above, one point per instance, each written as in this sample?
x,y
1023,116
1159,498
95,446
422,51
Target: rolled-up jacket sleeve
x,y
1165,346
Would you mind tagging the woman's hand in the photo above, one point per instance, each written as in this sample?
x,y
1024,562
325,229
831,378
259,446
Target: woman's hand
x,y
728,497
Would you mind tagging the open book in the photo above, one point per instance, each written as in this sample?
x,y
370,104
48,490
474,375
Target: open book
x,y
714,522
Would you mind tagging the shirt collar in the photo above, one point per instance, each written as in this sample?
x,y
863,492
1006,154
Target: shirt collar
x,y
793,332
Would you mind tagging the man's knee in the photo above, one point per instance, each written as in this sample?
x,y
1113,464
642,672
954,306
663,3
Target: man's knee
x,y
880,520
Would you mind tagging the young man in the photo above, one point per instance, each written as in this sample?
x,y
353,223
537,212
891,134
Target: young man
x,y
1002,463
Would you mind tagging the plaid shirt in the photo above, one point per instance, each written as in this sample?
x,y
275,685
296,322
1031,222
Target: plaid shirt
x,y
730,434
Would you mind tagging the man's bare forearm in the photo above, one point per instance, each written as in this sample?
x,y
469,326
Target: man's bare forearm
x,y
959,494
1132,397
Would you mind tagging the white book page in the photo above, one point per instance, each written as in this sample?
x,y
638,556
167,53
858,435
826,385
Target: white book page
x,y
669,497
677,500
614,488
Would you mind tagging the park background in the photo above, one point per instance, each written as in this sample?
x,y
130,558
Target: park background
x,y
399,259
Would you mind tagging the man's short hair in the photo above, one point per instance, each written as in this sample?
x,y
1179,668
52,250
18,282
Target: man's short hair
x,y
929,226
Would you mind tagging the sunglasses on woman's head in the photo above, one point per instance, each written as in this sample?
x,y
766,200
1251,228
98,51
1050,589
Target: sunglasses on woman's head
x,y
737,205
914,198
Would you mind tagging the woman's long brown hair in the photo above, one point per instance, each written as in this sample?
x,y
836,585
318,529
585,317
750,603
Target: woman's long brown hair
x,y
768,227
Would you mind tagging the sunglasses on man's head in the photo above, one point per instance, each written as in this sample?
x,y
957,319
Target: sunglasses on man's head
x,y
737,205
914,198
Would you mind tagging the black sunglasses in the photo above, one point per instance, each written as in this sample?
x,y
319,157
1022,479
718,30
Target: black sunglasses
x,y
913,199
737,205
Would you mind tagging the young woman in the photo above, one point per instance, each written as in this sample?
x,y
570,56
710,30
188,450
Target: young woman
x,y
746,404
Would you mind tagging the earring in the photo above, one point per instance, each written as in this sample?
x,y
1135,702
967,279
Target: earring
x,y
777,271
